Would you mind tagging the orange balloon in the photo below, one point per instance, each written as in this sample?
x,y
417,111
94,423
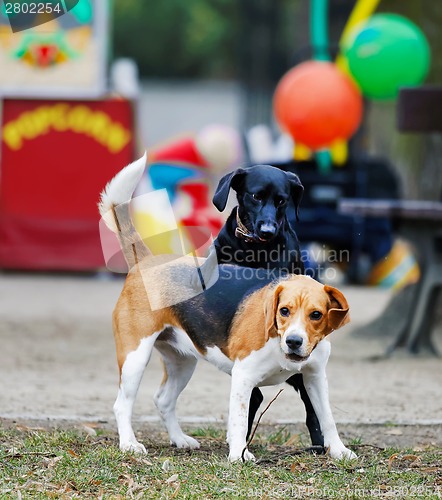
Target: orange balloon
x,y
317,104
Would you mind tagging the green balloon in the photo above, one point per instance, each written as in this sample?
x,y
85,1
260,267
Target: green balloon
x,y
385,53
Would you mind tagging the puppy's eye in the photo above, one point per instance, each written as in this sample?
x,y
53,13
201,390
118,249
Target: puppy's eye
x,y
284,311
315,315
257,196
280,202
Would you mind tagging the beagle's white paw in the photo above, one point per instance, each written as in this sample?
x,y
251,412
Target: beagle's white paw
x,y
134,447
247,456
340,452
185,442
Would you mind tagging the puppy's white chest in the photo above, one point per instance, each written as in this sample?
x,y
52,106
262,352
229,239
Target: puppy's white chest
x,y
269,366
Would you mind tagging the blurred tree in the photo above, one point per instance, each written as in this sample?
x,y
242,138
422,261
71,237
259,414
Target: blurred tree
x,y
176,38
265,48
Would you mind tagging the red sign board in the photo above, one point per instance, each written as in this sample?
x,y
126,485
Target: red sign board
x,y
56,157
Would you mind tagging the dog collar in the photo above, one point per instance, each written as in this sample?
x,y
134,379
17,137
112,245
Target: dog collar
x,y
242,232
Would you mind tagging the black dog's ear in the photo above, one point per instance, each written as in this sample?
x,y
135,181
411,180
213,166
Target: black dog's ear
x,y
231,180
297,190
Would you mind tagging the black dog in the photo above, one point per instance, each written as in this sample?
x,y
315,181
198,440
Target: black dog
x,y
258,233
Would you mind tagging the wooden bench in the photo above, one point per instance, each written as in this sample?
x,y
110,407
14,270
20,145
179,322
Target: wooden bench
x,y
418,111
420,222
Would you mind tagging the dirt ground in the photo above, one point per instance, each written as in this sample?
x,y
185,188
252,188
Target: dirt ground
x,y
58,365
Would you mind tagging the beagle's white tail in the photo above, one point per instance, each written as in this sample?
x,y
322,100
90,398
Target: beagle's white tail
x,y
114,209
119,190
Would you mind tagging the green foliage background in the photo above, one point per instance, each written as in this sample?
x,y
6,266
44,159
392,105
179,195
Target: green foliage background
x,y
206,38
177,38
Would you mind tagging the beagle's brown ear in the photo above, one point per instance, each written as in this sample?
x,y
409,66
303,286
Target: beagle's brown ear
x,y
338,313
270,308
232,180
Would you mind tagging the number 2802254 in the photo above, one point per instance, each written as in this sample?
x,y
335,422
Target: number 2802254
x,y
12,8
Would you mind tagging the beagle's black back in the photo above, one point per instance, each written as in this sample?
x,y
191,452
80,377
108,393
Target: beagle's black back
x,y
207,317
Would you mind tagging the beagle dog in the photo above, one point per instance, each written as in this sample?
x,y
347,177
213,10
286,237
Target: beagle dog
x,y
257,329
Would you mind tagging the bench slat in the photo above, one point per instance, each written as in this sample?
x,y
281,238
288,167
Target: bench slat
x,y
404,209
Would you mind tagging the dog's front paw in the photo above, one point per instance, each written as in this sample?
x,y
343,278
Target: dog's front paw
x,y
340,452
134,447
244,456
185,442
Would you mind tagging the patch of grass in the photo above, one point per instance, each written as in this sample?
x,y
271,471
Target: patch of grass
x,y
355,441
68,464
390,424
208,432
280,436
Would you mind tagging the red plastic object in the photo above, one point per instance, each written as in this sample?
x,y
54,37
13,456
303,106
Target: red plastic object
x,y
203,219
181,150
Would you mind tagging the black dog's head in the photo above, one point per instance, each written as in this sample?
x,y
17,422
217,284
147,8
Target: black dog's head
x,y
263,193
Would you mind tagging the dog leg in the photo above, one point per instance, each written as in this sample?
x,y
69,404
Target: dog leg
x,y
177,372
317,388
255,402
131,374
312,422
240,392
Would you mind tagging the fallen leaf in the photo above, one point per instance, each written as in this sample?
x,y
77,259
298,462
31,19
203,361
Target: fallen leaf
x,y
391,460
172,479
167,465
292,440
394,432
89,430
94,425
177,489
298,465
51,462
27,428
72,452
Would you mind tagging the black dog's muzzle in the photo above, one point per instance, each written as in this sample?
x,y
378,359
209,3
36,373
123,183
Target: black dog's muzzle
x,y
243,233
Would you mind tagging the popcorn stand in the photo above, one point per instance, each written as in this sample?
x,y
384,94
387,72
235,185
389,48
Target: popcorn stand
x,y
63,136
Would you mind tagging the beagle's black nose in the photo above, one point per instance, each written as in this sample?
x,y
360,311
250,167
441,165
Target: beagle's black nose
x,y
294,342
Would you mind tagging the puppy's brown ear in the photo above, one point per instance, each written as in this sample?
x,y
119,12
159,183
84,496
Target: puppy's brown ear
x,y
338,313
232,180
270,309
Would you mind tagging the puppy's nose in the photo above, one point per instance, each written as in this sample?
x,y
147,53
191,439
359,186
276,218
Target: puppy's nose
x,y
294,342
267,230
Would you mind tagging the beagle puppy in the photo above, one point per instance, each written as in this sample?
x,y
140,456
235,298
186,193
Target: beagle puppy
x,y
257,329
